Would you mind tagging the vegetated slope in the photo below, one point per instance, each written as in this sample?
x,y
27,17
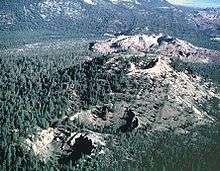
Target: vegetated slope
x,y
67,14
95,18
206,19
131,89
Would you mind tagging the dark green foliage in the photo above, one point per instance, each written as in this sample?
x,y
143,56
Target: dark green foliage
x,y
207,71
93,81
32,94
163,151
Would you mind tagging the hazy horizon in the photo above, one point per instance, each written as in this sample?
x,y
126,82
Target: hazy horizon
x,y
196,3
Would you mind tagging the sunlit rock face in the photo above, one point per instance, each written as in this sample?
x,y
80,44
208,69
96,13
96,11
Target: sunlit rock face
x,y
159,44
63,145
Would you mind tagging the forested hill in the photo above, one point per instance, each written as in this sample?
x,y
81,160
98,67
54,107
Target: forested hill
x,y
98,17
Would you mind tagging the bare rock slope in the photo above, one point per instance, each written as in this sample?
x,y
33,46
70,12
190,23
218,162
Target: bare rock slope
x,y
159,44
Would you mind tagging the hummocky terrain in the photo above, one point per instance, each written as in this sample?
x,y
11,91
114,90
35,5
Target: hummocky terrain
x,y
135,86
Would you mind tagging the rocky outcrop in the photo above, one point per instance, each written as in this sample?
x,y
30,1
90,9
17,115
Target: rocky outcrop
x,y
63,145
159,44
